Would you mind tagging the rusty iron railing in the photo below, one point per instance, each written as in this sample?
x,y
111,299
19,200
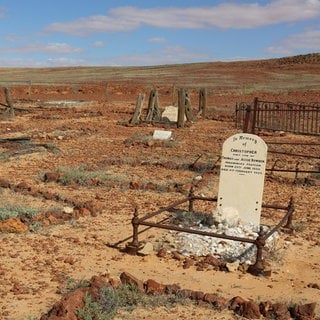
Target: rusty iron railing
x,y
278,116
257,268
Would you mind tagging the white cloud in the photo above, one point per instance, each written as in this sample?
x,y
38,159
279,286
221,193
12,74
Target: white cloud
x,y
308,41
225,15
157,40
98,44
45,48
31,63
3,12
168,55
61,62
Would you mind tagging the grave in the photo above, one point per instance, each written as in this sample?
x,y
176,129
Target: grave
x,y
241,180
170,114
162,135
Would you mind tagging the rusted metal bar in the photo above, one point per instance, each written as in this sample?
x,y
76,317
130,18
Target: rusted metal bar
x,y
290,117
273,206
199,232
163,209
293,170
254,115
191,199
134,246
291,209
205,198
293,154
287,218
257,268
247,119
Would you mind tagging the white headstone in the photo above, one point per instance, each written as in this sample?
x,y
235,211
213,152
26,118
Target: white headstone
x,y
242,174
162,134
170,114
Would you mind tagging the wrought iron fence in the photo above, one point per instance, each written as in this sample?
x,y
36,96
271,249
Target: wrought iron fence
x,y
278,116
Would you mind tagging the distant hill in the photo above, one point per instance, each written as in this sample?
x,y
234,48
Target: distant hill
x,y
301,71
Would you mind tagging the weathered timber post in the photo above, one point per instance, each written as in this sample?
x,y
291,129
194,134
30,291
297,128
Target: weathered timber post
x,y
136,118
173,95
7,95
202,102
181,108
106,91
153,107
188,109
30,89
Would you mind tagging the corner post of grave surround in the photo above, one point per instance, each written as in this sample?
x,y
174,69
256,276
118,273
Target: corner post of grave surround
x,y
191,198
133,247
291,209
257,269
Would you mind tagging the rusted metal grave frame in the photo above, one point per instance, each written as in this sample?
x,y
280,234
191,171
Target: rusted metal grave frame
x,y
256,269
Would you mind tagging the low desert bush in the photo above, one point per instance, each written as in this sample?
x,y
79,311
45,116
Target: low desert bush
x,y
126,298
7,212
80,175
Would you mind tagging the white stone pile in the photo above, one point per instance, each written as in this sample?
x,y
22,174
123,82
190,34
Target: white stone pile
x,y
227,250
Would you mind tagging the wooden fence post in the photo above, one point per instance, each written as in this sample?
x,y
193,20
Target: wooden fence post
x,y
153,107
136,118
188,109
181,108
7,95
106,91
202,102
173,95
30,89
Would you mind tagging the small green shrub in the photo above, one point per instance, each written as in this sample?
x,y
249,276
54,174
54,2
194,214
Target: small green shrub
x,y
7,212
72,284
126,298
80,175
91,310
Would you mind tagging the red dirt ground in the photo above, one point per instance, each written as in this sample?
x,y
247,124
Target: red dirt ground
x,y
36,264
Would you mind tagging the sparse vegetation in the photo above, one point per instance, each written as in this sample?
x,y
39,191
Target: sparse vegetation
x,y
124,168
71,284
80,175
126,298
7,212
189,219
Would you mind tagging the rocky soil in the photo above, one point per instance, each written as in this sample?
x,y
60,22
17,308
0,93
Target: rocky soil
x,y
83,222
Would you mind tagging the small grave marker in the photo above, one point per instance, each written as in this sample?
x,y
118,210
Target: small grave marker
x,y
242,178
162,135
170,114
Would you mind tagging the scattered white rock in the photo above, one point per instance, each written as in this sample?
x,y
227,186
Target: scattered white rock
x,y
233,266
227,250
68,210
228,214
197,179
147,249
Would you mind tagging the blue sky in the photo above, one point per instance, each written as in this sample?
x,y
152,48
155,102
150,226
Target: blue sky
x,y
39,33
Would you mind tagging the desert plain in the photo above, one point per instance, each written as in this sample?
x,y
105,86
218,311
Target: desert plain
x,y
70,154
